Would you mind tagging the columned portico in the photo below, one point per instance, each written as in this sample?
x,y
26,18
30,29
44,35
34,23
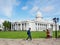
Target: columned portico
x,y
34,26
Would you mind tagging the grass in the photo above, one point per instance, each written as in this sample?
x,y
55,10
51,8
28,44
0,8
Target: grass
x,y
13,34
22,34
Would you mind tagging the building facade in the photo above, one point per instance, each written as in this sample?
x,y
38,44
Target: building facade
x,y
38,24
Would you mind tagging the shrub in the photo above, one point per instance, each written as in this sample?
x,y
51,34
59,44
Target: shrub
x,y
0,29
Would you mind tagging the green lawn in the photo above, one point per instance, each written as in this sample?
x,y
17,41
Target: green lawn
x,y
22,34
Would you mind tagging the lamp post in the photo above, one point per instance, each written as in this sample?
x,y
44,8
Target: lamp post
x,y
55,21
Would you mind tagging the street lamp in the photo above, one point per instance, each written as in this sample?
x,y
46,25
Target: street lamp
x,y
55,21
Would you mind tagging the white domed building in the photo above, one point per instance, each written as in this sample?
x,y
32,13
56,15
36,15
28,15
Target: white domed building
x,y
38,24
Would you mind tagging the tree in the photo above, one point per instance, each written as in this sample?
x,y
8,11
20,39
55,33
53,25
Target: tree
x,y
7,25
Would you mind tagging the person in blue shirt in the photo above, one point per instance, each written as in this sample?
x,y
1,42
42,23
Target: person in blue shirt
x,y
29,34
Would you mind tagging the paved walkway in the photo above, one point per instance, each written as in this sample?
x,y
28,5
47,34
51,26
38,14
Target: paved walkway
x,y
29,42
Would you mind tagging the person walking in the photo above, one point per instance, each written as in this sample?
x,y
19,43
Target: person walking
x,y
29,34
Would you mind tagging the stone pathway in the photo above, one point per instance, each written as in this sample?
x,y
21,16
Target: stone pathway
x,y
40,41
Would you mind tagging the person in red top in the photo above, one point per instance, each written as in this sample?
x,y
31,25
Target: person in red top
x,y
48,33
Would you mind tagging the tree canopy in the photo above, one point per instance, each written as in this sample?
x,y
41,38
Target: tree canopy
x,y
7,25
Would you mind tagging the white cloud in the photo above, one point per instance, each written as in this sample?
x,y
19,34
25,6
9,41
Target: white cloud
x,y
40,5
48,8
7,11
6,7
24,8
18,3
57,13
1,21
34,10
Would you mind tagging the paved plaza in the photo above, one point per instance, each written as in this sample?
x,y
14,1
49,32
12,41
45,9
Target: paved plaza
x,y
40,41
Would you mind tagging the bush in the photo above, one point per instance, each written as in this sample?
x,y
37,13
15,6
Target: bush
x,y
9,30
15,30
0,29
59,36
44,30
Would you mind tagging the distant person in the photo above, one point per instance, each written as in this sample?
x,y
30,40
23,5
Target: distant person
x,y
29,34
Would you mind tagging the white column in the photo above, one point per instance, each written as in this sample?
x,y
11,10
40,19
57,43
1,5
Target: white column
x,y
40,26
24,26
21,26
53,27
12,26
47,26
57,27
37,26
15,26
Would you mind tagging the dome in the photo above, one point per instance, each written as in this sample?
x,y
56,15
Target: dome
x,y
39,15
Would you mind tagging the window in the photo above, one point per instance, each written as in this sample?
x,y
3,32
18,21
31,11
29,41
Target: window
x,y
19,24
38,24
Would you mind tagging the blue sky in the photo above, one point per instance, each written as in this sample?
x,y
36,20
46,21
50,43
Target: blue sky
x,y
14,10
